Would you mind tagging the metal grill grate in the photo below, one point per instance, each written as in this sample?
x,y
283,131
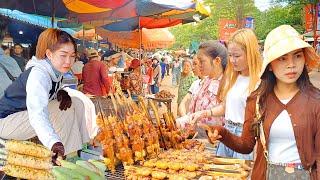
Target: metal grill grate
x,y
118,174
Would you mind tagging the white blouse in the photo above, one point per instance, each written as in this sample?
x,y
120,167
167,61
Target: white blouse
x,y
282,142
236,100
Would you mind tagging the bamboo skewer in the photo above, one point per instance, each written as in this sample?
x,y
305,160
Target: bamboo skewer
x,y
156,114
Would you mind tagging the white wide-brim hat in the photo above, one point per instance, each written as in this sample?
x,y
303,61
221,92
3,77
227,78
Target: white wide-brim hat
x,y
281,41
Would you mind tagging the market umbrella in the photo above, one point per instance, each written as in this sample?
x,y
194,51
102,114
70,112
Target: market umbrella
x,y
163,13
39,7
87,35
52,8
41,21
138,14
126,8
132,24
23,32
151,38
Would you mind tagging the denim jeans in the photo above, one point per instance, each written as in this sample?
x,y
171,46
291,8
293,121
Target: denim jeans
x,y
134,97
224,151
154,89
175,78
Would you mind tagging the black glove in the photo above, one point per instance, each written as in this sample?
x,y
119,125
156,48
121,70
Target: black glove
x,y
58,150
64,99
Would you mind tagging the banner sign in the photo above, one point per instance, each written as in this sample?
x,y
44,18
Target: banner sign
x,y
249,22
226,28
308,17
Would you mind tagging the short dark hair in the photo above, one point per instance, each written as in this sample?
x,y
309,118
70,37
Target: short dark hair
x,y
3,24
17,44
4,47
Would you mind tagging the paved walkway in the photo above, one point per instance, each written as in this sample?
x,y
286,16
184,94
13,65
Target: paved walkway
x,y
166,85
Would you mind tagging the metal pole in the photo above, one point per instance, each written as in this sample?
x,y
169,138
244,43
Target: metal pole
x,y
315,24
53,13
140,51
140,39
83,33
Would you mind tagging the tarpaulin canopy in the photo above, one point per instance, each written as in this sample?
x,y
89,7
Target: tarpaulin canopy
x,y
94,6
151,38
121,9
128,15
22,32
87,35
40,7
131,24
42,21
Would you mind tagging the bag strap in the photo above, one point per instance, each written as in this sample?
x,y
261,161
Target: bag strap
x,y
261,131
7,72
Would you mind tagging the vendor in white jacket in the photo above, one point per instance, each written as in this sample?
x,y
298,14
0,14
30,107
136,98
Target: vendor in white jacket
x,y
36,105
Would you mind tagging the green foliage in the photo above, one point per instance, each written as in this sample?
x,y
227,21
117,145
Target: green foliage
x,y
265,21
278,15
297,2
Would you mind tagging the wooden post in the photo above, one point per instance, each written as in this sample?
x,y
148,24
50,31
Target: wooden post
x,y
315,24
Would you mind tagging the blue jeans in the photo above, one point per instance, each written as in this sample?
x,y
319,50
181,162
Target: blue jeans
x,y
224,151
162,74
175,77
154,89
134,97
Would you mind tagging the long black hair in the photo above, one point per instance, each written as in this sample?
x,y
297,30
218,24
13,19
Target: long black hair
x,y
268,81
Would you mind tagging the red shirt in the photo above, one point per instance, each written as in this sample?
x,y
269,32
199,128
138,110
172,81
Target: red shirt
x,y
150,74
95,78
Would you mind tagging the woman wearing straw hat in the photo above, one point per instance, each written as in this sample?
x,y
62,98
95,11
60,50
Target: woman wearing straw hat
x,y
240,79
284,112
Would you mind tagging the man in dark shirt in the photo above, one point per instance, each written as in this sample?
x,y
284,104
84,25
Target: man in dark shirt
x,y
17,55
9,69
95,76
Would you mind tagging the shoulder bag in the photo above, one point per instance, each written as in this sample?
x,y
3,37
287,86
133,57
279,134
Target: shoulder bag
x,y
279,171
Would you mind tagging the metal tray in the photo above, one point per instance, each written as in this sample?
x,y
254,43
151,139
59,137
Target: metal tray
x,y
118,174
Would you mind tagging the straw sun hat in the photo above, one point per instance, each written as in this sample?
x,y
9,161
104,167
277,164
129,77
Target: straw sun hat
x,y
281,41
92,53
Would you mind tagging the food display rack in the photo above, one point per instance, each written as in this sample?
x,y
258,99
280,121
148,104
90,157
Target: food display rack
x,y
117,175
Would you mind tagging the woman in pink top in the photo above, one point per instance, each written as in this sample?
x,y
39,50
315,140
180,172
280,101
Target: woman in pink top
x,y
213,59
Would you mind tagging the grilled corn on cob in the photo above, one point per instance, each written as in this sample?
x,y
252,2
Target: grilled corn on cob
x,y
27,173
78,169
27,148
62,173
29,161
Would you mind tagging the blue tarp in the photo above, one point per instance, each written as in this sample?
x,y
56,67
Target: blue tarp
x,y
30,32
42,21
41,7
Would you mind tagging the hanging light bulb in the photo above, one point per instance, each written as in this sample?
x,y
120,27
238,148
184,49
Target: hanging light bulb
x,y
20,32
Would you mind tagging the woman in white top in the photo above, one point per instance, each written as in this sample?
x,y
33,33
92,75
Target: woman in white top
x,y
194,88
240,79
36,104
282,115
